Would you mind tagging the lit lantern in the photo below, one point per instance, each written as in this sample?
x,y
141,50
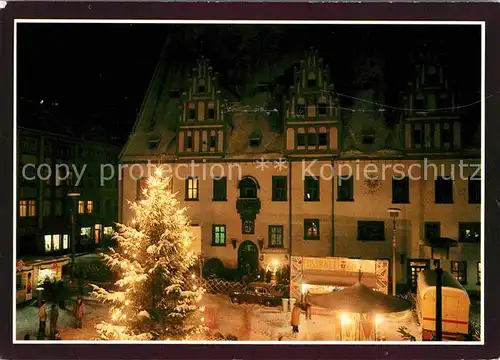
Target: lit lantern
x,y
345,319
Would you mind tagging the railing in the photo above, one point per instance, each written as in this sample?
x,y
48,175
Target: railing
x,y
219,286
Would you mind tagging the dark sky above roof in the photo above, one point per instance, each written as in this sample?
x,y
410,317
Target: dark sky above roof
x,y
100,72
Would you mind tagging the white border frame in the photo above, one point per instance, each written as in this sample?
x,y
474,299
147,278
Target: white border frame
x,y
247,22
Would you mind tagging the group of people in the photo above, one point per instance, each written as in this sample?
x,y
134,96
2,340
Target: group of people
x,y
53,317
296,312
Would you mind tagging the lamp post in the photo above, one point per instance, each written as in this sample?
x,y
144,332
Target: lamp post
x,y
394,213
439,301
73,195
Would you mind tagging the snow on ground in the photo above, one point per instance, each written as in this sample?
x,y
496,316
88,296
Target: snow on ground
x,y
245,321
27,322
259,323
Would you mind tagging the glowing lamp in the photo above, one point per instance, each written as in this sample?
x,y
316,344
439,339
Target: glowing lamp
x,y
158,172
345,319
378,319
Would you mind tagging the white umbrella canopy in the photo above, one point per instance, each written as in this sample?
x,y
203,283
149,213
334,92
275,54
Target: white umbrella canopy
x,y
359,298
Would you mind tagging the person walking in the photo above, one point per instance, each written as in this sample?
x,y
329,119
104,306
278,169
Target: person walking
x,y
79,312
295,322
54,316
308,303
42,319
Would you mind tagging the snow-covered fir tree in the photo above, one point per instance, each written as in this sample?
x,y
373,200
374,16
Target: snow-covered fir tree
x,y
159,290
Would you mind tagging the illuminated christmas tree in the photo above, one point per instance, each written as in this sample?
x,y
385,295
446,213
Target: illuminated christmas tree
x,y
159,292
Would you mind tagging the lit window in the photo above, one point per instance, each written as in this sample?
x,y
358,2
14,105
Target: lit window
x,y
90,206
56,242
108,230
85,232
191,188
97,232
219,235
276,236
65,243
23,208
311,229
81,207
459,271
31,208
48,243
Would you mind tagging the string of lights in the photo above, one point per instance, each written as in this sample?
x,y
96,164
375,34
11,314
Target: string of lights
x,y
381,107
385,106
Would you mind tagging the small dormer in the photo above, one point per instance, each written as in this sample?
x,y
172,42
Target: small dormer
x,y
153,143
368,137
254,139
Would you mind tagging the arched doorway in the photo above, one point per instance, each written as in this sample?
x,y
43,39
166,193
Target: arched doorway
x,y
248,257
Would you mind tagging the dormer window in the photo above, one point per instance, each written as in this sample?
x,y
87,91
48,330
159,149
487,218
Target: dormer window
x,y
211,111
311,80
254,142
419,104
368,139
431,102
192,112
322,106
201,86
189,142
322,139
153,144
212,141
254,139
301,107
443,101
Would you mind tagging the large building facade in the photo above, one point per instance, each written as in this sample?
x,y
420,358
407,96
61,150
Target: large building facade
x,y
320,184
44,207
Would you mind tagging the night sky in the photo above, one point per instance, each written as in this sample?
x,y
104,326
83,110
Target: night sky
x,y
98,73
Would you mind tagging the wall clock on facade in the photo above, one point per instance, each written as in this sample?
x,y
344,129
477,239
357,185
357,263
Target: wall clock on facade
x,y
371,186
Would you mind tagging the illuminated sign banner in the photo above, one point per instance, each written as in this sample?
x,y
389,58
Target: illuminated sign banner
x,y
338,264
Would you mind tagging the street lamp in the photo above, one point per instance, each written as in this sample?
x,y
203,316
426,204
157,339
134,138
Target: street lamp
x,y
73,195
394,213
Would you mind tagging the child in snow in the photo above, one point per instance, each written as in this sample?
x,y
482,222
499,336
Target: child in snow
x,y
79,312
42,318
308,304
54,316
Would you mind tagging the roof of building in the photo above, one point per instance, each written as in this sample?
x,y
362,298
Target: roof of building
x,y
251,136
154,135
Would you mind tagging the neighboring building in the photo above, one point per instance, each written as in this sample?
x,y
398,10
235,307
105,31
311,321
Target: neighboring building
x,y
259,214
44,232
